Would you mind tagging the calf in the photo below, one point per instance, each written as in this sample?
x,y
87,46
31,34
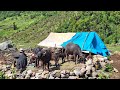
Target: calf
x,y
34,55
57,53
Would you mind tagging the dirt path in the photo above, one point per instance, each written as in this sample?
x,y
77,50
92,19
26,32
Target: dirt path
x,y
116,64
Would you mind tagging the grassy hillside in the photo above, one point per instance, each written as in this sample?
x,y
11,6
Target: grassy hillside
x,y
33,26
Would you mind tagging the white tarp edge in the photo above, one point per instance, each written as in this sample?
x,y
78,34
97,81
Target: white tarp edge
x,y
56,39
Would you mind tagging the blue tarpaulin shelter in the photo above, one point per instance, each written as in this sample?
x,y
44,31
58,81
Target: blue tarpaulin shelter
x,y
89,41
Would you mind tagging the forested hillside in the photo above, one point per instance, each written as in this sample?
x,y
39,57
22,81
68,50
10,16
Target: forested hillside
x,y
28,28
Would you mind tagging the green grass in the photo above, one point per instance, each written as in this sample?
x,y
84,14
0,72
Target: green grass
x,y
33,27
113,47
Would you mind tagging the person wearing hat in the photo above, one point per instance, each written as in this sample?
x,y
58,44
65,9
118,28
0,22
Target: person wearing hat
x,y
21,62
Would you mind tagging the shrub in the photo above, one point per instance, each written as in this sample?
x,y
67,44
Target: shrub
x,y
108,68
2,75
103,76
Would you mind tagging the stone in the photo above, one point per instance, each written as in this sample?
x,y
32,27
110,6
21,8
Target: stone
x,y
8,67
4,68
88,72
92,78
115,70
42,75
18,74
24,73
98,71
51,77
56,71
27,76
37,74
36,77
77,72
93,69
72,74
88,68
57,74
32,78
67,75
105,58
84,66
33,74
45,72
67,72
89,62
101,59
63,72
72,77
8,72
83,70
29,72
9,75
46,76
57,78
94,74
86,76
40,71
102,64
52,74
95,59
62,76
80,78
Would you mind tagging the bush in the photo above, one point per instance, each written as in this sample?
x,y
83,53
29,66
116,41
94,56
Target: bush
x,y
109,68
2,75
103,76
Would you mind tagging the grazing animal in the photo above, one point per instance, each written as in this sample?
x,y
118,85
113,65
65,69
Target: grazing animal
x,y
57,53
34,55
36,50
75,50
45,56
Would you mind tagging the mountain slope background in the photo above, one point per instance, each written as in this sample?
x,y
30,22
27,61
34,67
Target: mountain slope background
x,y
27,28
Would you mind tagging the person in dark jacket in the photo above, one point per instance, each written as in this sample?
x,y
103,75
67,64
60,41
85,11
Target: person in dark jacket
x,y
21,62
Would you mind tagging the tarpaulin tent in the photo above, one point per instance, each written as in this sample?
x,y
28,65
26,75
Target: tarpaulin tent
x,y
89,41
56,39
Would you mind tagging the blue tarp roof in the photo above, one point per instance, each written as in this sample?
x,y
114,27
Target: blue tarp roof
x,y
89,41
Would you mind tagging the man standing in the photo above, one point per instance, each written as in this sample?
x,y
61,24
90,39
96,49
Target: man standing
x,y
21,62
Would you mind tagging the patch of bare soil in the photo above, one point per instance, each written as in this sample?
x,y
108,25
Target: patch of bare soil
x,y
116,64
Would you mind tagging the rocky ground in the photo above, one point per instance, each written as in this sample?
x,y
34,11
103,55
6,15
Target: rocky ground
x,y
96,68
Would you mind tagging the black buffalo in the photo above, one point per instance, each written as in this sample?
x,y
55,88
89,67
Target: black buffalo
x,y
45,56
34,55
75,50
58,53
36,50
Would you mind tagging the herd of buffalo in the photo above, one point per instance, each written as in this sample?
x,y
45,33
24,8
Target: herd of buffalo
x,y
42,56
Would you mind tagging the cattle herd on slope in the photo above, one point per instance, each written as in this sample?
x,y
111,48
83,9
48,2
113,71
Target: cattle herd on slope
x,y
41,57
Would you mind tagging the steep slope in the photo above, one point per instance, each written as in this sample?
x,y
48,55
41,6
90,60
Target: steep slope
x,y
34,26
